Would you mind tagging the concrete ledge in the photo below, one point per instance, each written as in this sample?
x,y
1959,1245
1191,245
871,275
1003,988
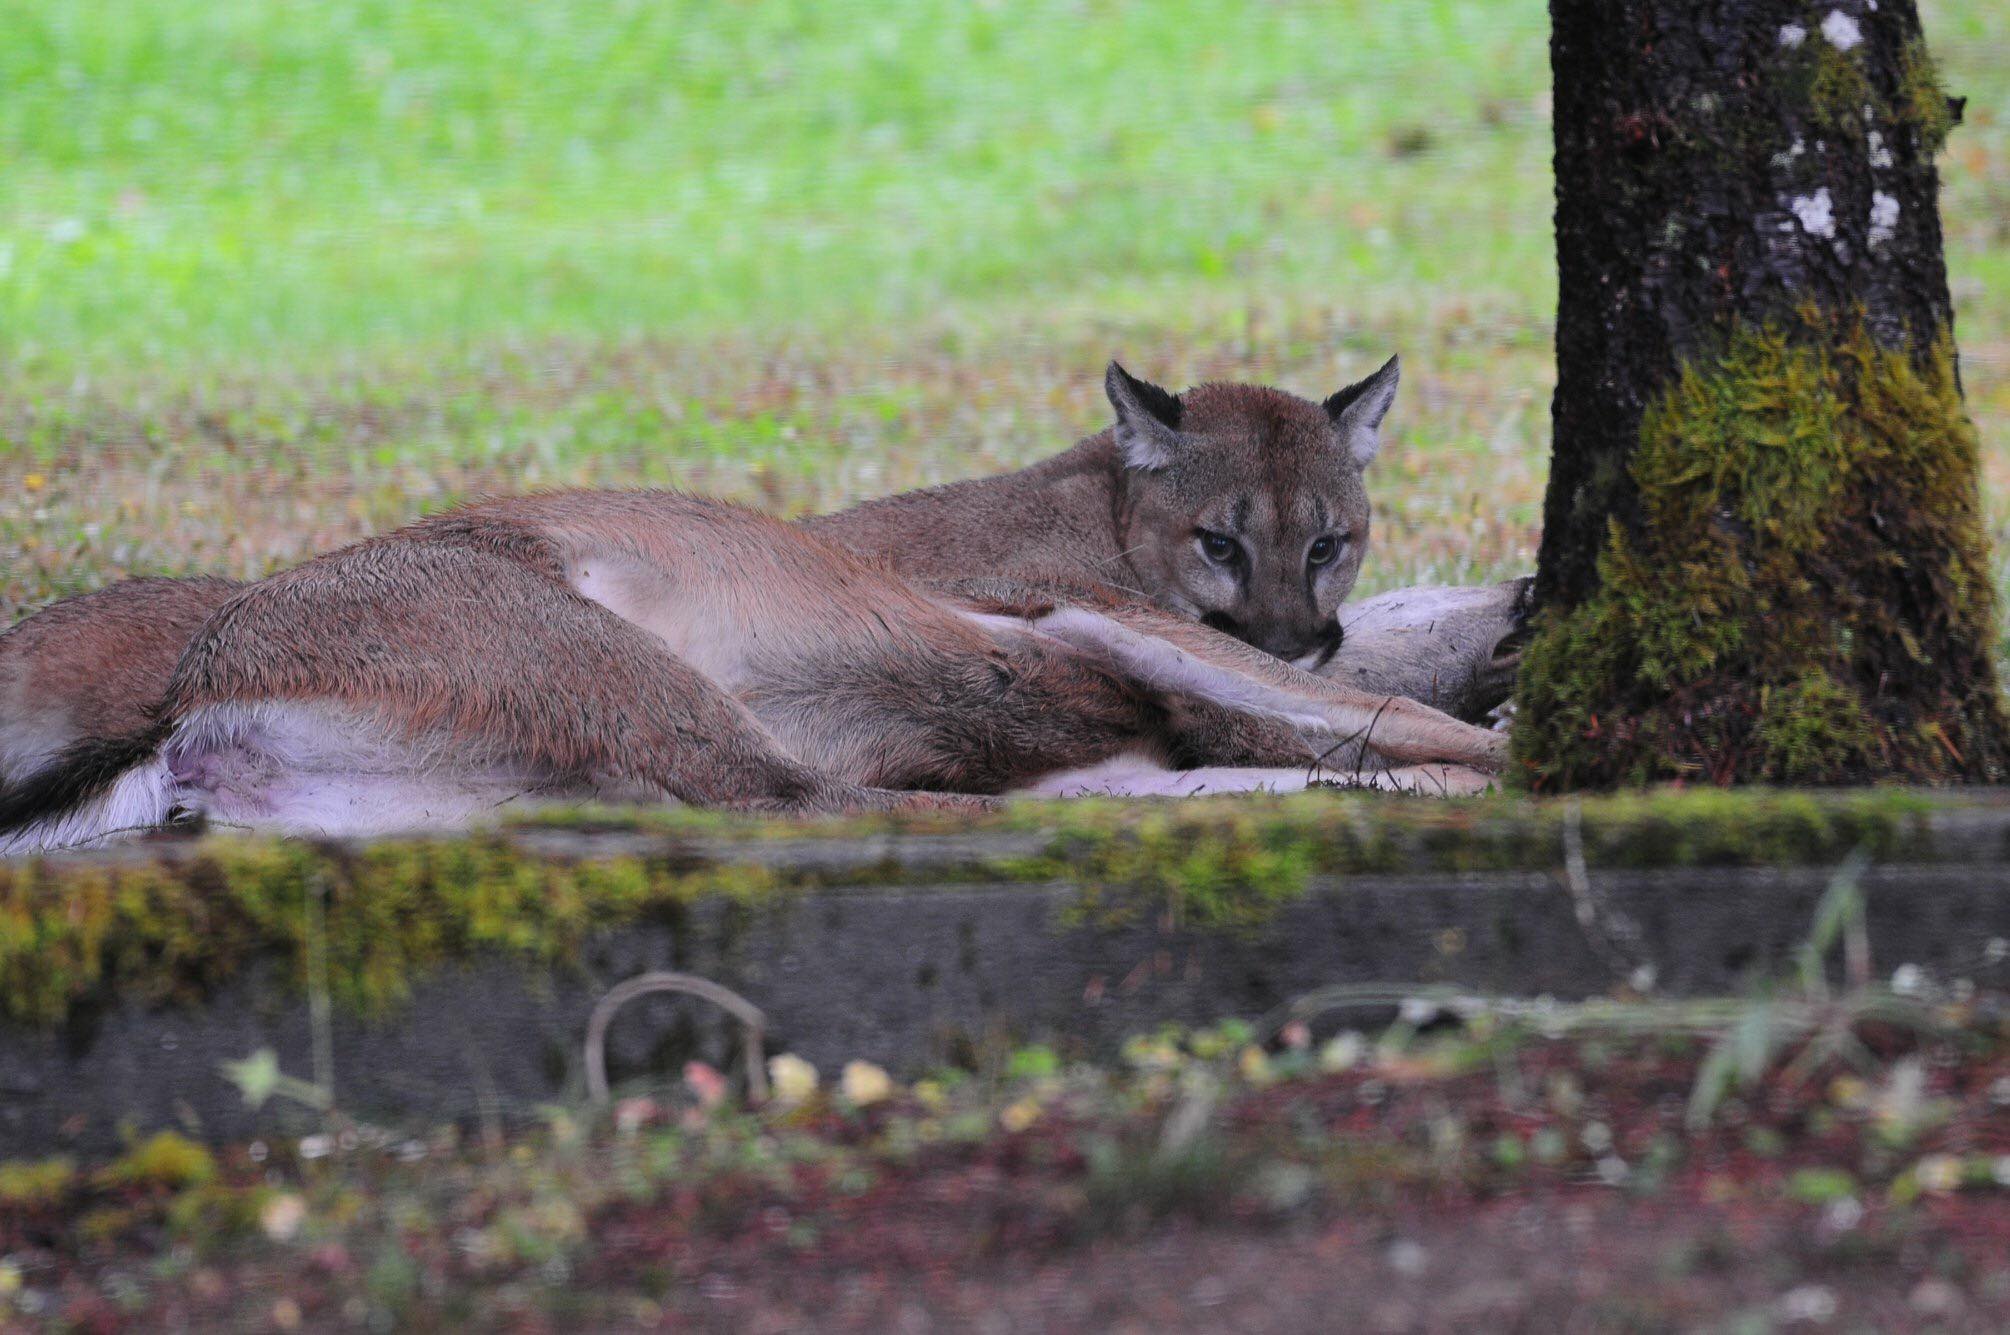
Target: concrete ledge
x,y
463,970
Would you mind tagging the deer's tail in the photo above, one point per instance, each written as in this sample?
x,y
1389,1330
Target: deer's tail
x,y
95,787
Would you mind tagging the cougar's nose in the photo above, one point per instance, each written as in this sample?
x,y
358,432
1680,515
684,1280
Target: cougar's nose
x,y
1313,651
1306,648
1302,647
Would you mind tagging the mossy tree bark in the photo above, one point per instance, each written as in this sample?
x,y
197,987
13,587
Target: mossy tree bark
x,y
1762,556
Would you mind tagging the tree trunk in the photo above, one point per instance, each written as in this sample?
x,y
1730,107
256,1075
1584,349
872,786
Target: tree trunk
x,y
1762,555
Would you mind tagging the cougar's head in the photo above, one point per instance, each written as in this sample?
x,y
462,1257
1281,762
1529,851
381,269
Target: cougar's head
x,y
1244,506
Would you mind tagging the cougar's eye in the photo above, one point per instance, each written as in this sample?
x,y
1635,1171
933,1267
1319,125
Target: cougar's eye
x,y
1322,551
1218,547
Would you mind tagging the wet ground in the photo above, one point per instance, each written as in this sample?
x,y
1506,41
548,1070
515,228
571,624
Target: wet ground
x,y
1480,1176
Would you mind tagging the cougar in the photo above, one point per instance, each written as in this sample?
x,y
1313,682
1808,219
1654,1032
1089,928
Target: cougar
x,y
651,644
1238,506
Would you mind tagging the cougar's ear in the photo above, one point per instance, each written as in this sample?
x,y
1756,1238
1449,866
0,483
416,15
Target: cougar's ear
x,y
1147,419
1357,411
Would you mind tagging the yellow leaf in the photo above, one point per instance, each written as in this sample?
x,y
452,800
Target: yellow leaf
x,y
793,1078
864,1084
1016,1117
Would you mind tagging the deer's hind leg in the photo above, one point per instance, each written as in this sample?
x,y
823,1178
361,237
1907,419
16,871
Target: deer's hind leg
x,y
1131,777
325,695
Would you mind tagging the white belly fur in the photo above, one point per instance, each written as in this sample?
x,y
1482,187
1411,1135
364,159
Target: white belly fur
x,y
315,769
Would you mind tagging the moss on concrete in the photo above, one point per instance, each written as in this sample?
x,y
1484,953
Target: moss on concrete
x,y
1227,867
80,933
1805,598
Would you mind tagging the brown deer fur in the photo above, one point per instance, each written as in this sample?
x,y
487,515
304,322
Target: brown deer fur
x,y
634,643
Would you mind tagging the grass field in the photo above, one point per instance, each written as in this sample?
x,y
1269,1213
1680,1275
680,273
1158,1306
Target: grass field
x,y
276,274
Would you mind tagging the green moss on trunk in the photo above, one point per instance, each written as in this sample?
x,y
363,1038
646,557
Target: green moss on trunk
x,y
1923,102
1806,596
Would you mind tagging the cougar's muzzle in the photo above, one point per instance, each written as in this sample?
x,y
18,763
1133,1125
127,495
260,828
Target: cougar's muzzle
x,y
1307,648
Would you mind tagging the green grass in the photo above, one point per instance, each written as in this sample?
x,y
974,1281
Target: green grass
x,y
276,274
202,180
